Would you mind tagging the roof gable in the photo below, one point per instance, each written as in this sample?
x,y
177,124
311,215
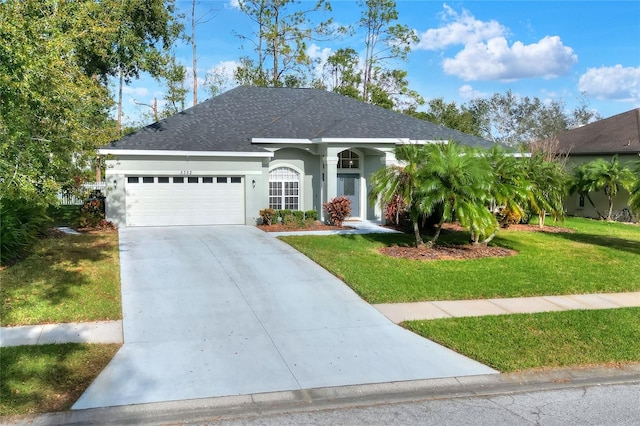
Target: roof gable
x,y
619,134
230,121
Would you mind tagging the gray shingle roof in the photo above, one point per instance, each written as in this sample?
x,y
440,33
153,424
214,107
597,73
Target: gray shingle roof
x,y
229,121
619,134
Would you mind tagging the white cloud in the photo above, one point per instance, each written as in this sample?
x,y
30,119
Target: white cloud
x,y
224,68
496,60
468,93
463,28
612,83
135,91
487,55
234,4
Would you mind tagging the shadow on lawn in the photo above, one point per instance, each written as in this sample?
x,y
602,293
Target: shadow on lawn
x,y
622,244
52,271
27,387
447,237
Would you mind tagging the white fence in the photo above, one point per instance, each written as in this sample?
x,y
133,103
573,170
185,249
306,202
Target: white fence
x,y
79,197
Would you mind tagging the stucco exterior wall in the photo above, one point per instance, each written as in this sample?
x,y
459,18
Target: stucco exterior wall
x,y
254,171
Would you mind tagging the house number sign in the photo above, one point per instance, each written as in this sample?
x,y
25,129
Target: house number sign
x,y
186,172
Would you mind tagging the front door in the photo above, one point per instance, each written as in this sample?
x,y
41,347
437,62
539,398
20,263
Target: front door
x,y
349,186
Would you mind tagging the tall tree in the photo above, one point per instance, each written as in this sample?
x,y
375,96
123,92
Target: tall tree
x,y
448,115
52,114
173,77
283,28
513,120
385,40
195,21
132,36
343,72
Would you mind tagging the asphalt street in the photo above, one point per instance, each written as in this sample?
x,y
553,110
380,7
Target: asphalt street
x,y
593,405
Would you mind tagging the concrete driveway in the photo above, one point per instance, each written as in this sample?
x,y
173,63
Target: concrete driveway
x,y
229,310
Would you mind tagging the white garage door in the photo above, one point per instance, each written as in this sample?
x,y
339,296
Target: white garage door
x,y
184,200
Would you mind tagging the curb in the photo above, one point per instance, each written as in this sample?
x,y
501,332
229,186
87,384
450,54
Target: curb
x,y
256,405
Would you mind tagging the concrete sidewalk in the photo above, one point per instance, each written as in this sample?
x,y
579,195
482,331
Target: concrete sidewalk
x,y
399,312
88,332
111,331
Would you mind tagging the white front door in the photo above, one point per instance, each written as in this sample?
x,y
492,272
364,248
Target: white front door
x,y
349,186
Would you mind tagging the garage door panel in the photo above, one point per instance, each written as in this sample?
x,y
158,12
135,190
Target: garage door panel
x,y
160,204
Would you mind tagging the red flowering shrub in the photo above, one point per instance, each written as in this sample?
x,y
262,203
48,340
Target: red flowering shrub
x,y
338,209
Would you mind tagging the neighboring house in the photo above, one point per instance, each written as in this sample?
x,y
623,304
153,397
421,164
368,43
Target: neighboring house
x,y
618,135
224,160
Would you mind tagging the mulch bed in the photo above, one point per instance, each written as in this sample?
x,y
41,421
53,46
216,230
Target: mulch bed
x,y
450,252
316,226
453,252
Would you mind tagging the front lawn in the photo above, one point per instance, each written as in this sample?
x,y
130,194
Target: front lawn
x,y
551,339
68,278
598,257
46,378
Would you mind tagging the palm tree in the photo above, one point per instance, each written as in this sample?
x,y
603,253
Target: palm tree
x,y
396,182
548,186
581,183
610,176
458,179
634,199
509,187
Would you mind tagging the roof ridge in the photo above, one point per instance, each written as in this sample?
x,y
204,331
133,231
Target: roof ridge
x,y
307,99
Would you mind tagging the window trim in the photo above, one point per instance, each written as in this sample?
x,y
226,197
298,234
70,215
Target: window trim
x,y
300,183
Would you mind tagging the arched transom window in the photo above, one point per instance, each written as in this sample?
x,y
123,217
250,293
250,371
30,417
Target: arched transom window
x,y
348,160
284,189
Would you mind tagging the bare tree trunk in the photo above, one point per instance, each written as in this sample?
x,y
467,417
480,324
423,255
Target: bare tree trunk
x,y
600,215
541,218
610,208
437,234
121,82
193,48
416,233
275,46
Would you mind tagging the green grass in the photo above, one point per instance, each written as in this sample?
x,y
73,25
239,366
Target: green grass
x,y
531,341
71,278
598,257
39,379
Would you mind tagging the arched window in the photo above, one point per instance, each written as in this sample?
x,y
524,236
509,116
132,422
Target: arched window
x,y
348,160
284,189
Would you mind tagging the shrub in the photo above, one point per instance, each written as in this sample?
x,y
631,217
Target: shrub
x,y
282,213
311,214
508,217
293,219
267,216
91,213
338,210
395,211
21,222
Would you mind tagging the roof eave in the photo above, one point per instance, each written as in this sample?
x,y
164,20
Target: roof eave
x,y
171,153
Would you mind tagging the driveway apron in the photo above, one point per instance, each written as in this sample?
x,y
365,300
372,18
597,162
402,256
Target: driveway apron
x,y
228,310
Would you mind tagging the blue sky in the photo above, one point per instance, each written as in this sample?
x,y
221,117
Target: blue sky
x,y
548,49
